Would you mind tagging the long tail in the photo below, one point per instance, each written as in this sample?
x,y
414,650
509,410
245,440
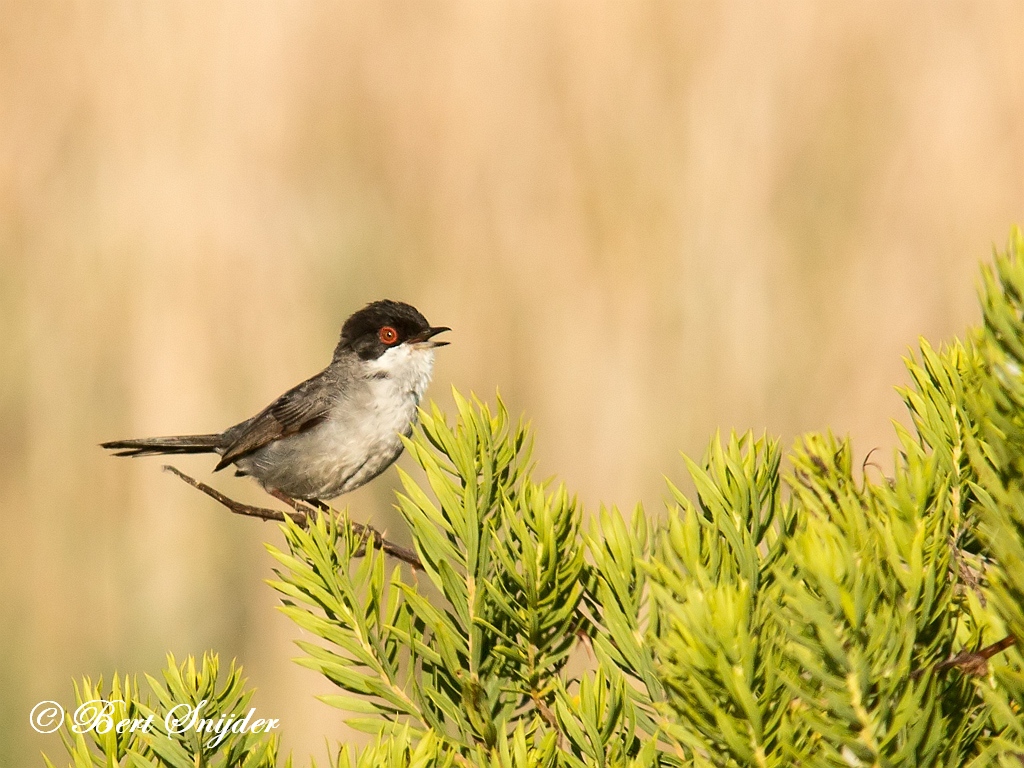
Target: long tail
x,y
154,446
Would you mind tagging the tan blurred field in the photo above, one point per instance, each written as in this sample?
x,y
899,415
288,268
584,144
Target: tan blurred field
x,y
645,222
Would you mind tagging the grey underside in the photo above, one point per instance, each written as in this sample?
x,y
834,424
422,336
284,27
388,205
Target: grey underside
x,y
324,461
357,441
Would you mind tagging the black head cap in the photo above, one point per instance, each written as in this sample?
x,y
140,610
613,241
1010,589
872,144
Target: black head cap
x,y
381,325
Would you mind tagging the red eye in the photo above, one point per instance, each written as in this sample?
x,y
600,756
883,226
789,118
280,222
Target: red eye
x,y
388,335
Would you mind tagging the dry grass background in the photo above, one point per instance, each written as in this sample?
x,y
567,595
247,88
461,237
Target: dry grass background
x,y
644,221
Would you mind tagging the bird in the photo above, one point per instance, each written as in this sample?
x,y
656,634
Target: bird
x,y
337,430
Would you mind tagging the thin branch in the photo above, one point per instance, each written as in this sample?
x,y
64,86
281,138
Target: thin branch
x,y
263,513
301,516
976,662
973,663
970,577
868,463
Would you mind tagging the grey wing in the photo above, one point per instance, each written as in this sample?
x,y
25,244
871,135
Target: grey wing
x,y
300,408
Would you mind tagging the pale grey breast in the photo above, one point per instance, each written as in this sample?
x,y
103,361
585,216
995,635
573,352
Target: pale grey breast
x,y
360,438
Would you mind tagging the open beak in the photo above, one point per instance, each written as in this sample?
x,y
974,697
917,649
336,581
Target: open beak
x,y
426,338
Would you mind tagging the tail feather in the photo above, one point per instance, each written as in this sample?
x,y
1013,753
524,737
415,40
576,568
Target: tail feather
x,y
155,446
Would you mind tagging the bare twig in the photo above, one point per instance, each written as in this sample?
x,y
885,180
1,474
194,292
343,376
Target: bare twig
x,y
868,462
301,516
970,577
397,552
263,513
976,662
973,663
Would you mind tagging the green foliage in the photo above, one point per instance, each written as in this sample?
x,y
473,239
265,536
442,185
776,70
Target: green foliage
x,y
475,653
998,455
720,645
1000,404
124,727
800,609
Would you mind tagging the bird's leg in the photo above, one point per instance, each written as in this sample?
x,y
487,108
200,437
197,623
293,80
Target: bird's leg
x,y
365,532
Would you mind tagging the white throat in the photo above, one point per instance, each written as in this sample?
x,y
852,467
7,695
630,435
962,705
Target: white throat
x,y
406,368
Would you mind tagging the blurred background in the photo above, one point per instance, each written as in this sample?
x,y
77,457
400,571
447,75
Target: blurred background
x,y
644,222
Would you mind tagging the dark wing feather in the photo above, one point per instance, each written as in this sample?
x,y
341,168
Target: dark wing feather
x,y
300,408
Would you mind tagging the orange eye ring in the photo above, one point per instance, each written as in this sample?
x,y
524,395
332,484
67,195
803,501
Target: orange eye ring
x,y
388,335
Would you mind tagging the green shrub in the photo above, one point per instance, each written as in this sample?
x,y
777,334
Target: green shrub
x,y
800,610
